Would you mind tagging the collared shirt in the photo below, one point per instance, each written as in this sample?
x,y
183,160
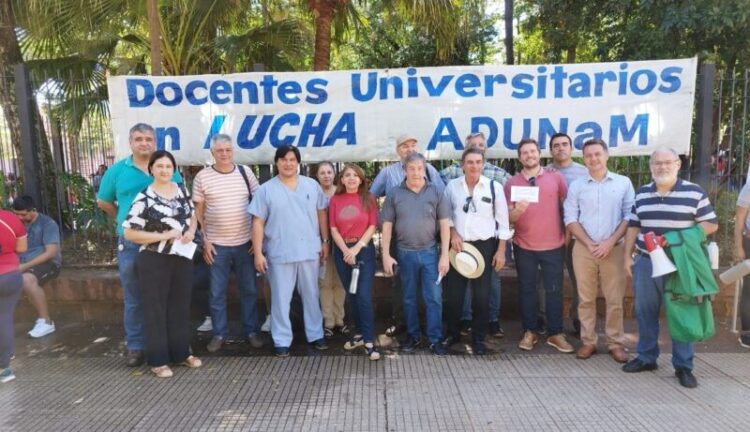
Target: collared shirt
x,y
121,183
490,171
570,173
393,175
682,207
599,206
540,227
152,212
743,200
42,232
483,216
415,215
292,230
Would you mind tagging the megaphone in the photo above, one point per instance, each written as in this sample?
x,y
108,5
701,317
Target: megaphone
x,y
660,263
736,272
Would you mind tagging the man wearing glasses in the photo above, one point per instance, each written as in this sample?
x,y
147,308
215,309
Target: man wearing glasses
x,y
536,197
666,204
492,172
480,217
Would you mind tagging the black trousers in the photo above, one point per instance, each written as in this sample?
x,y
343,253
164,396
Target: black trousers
x,y
455,287
166,282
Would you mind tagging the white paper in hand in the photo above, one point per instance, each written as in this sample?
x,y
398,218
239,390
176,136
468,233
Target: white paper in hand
x,y
524,193
186,250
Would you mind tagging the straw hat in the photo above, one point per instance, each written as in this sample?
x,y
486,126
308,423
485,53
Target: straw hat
x,y
469,262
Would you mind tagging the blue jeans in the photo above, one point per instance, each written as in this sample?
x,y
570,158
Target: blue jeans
x,y
361,303
127,252
494,304
649,294
419,268
527,267
239,258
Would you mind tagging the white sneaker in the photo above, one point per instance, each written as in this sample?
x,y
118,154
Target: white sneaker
x,y
207,325
266,327
41,328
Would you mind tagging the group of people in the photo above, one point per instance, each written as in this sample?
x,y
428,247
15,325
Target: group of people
x,y
445,234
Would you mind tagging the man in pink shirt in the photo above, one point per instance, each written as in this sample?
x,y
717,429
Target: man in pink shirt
x,y
538,241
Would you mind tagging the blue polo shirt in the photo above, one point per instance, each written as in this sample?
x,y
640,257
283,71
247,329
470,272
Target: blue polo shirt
x,y
121,183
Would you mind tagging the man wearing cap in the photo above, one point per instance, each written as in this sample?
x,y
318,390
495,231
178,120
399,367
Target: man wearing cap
x,y
387,179
479,215
596,211
536,196
492,172
420,214
666,204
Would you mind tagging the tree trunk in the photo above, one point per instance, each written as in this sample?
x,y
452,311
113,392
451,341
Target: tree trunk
x,y
509,32
571,55
155,37
323,11
10,55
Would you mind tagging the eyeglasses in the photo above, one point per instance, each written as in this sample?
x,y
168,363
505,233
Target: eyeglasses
x,y
664,164
532,181
469,204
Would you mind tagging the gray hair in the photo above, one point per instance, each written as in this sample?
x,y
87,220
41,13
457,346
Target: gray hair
x,y
665,150
142,128
220,138
415,157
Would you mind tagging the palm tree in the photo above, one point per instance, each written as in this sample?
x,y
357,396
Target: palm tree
x,y
438,16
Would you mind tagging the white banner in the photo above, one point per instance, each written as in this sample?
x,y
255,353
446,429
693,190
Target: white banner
x,y
356,115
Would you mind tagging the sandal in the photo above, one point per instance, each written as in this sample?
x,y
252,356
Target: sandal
x,y
327,332
162,371
372,353
192,362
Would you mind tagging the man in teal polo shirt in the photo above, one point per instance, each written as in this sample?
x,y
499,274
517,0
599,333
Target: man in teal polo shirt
x,y
119,186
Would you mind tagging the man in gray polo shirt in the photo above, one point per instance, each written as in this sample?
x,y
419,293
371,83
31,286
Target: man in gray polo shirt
x,y
416,209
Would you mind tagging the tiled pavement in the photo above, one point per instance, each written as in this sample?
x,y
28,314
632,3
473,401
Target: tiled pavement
x,y
500,392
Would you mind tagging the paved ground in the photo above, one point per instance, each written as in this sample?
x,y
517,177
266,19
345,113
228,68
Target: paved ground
x,y
75,380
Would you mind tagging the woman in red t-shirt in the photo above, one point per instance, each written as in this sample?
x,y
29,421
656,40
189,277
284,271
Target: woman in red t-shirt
x,y
12,242
352,215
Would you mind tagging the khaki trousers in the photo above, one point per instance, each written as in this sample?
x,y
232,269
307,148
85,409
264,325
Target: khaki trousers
x,y
608,274
332,296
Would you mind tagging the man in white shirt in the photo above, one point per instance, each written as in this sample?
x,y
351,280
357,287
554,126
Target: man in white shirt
x,y
479,215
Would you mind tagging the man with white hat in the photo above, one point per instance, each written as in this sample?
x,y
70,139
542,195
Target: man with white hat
x,y
388,179
479,214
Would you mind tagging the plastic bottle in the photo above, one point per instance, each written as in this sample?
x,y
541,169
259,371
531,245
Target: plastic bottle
x,y
355,279
713,255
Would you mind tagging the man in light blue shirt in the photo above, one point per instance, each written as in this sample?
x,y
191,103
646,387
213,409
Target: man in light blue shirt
x,y
596,211
290,240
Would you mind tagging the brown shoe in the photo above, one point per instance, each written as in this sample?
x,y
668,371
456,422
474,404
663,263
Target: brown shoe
x,y
529,340
586,351
558,341
619,354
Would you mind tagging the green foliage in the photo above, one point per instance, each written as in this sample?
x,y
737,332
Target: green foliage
x,y
725,206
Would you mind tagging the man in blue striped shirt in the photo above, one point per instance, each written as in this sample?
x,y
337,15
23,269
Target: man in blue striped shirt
x,y
666,204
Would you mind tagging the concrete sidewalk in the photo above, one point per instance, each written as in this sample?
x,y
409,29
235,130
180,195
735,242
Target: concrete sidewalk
x,y
75,380
509,392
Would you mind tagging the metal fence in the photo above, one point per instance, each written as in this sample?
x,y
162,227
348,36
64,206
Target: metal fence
x,y
79,143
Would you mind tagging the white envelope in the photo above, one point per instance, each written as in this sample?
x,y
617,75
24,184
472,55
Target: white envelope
x,y
186,250
524,193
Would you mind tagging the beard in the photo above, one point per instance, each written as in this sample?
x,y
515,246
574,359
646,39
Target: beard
x,y
665,179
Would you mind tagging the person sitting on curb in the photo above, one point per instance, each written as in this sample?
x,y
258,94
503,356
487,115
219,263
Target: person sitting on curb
x,y
41,262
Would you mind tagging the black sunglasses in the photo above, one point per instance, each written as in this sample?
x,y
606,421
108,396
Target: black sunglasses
x,y
532,181
469,204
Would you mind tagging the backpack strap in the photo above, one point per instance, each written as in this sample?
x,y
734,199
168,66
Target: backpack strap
x,y
247,182
494,208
